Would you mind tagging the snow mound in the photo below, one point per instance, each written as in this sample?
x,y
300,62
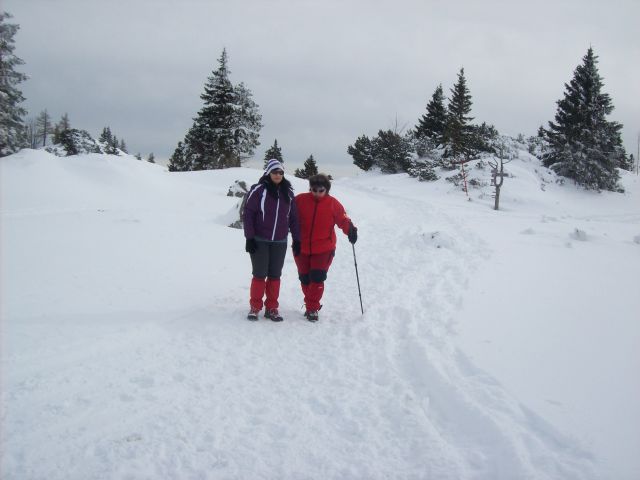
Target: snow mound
x,y
579,235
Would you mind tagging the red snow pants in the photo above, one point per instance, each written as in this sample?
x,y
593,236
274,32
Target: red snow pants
x,y
312,271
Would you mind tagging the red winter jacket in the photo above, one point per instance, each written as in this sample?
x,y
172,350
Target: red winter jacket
x,y
317,217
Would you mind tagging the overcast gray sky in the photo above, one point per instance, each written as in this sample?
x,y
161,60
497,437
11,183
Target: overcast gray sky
x,y
322,72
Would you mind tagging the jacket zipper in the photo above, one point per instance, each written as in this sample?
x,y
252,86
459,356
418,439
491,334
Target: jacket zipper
x,y
313,220
275,224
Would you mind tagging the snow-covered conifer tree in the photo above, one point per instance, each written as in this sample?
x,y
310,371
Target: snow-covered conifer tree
x,y
248,123
225,131
13,131
582,144
392,152
433,123
458,129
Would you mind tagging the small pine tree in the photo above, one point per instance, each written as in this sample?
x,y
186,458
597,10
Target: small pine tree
x,y
362,153
457,130
152,158
392,152
310,169
138,156
178,161
433,123
582,144
123,146
273,152
56,134
106,136
13,131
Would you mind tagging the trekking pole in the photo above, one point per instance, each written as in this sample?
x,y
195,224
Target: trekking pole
x,y
357,277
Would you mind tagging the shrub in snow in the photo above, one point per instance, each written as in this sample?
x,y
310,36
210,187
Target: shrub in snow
x,y
580,235
238,189
74,142
423,170
477,183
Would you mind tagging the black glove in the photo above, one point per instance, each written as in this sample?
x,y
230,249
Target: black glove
x,y
251,246
353,233
295,246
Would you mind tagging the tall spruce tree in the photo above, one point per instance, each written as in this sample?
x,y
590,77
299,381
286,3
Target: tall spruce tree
x,y
226,130
212,139
273,152
433,123
582,144
13,131
458,128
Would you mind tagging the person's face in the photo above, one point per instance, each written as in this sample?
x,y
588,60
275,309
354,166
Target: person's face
x,y
277,176
318,191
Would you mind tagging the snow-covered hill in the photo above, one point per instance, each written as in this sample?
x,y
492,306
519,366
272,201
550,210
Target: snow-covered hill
x,y
494,345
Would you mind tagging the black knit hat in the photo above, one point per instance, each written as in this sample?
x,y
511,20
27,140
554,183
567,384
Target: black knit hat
x,y
320,180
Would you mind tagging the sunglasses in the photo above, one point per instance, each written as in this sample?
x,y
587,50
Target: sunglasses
x,y
318,189
277,172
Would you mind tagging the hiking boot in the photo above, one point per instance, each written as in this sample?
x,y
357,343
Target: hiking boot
x,y
312,315
273,315
253,315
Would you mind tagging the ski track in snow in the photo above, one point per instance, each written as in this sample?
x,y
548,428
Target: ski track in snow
x,y
202,393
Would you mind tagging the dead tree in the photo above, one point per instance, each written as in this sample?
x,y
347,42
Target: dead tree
x,y
497,171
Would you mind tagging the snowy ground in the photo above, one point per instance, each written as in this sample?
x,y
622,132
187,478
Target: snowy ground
x,y
494,345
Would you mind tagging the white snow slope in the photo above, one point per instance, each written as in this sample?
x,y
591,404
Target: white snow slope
x,y
494,345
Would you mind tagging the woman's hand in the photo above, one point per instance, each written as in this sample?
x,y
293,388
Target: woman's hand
x,y
251,245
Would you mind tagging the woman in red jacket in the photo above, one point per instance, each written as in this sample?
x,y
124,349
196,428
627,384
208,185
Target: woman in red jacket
x,y
318,214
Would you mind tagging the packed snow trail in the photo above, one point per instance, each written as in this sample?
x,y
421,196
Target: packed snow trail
x,y
126,353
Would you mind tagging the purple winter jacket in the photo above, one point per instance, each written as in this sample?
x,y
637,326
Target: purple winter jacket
x,y
268,218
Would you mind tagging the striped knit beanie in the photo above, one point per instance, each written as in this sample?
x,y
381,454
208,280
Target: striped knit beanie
x,y
272,165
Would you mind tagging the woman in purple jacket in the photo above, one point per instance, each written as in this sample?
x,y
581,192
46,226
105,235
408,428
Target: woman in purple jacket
x,y
269,214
